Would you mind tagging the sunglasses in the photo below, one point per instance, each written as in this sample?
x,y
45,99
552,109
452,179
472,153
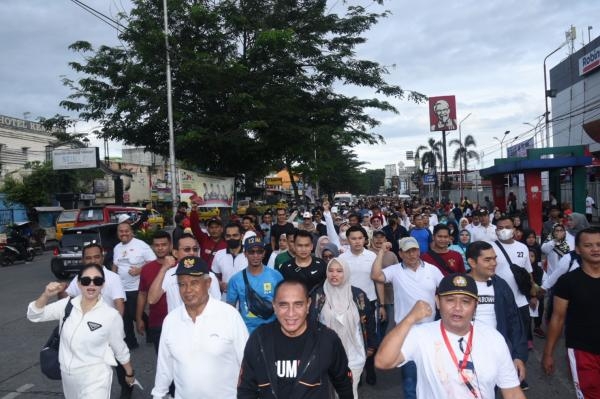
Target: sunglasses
x,y
256,252
85,281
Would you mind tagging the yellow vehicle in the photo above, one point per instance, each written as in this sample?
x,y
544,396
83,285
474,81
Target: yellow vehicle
x,y
66,220
242,205
208,213
156,220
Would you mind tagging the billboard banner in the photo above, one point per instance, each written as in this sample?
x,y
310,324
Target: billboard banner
x,y
520,150
442,113
206,191
589,61
75,158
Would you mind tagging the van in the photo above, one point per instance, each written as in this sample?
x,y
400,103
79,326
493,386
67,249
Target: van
x,y
66,219
343,199
105,214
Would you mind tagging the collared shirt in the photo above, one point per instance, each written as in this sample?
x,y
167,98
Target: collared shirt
x,y
204,357
227,264
360,268
481,233
171,289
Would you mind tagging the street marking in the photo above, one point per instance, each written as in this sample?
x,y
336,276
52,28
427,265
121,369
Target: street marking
x,y
18,391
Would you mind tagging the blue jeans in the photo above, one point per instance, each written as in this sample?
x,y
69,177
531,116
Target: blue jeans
x,y
409,380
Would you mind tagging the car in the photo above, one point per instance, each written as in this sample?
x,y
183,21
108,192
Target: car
x,y
67,258
65,220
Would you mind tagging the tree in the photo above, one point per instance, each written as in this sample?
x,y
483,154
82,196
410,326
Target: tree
x,y
253,83
463,151
430,156
39,187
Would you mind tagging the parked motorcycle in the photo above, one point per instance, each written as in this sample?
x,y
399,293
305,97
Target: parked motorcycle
x,y
17,246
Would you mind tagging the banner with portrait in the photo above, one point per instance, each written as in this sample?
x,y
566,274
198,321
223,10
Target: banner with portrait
x,y
206,191
442,113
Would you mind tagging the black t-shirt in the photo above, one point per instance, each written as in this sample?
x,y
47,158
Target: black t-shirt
x,y
311,275
277,230
288,353
582,325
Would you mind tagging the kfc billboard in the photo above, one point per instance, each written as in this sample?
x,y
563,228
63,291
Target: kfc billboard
x,y
442,113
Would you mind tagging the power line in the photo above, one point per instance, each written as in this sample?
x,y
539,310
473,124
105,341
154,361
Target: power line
x,y
101,16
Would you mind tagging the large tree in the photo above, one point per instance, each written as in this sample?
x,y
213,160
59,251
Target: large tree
x,y
463,153
255,82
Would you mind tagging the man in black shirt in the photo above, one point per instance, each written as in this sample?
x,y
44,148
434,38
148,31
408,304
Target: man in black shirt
x,y
394,231
308,357
282,226
304,267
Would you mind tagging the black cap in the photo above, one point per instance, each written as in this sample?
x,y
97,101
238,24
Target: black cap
x,y
252,242
214,220
458,283
482,212
192,266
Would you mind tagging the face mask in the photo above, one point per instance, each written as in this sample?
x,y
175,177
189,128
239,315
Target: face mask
x,y
342,236
231,244
505,234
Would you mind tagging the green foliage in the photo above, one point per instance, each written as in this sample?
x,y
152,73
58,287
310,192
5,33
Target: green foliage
x,y
253,84
464,152
38,188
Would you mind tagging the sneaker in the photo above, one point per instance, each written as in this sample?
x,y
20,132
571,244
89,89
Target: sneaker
x,y
530,345
524,385
538,332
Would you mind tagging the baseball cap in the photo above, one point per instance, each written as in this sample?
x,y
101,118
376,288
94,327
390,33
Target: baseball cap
x,y
123,218
253,242
192,265
458,283
307,215
407,243
483,212
214,220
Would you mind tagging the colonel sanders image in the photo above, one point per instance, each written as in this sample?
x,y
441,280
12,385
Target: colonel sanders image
x,y
441,108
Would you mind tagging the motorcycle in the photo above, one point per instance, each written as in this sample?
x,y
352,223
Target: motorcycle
x,y
17,246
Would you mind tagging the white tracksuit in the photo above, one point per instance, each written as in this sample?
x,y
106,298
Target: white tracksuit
x,y
88,346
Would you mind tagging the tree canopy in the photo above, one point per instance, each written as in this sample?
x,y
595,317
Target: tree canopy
x,y
255,84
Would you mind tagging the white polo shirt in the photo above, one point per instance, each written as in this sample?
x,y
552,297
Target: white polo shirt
x,y
480,233
135,253
204,357
112,289
411,286
360,271
171,289
227,265
519,255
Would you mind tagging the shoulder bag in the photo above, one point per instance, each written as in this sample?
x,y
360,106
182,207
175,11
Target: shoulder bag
x,y
49,354
257,304
521,275
440,261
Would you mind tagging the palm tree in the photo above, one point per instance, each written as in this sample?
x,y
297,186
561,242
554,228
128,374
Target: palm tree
x,y
429,157
463,151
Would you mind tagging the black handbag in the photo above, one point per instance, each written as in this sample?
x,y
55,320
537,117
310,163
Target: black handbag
x,y
49,354
522,276
257,304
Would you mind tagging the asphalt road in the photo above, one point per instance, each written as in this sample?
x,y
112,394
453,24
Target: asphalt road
x,y
20,341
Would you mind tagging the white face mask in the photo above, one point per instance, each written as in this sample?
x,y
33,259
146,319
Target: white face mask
x,y
505,234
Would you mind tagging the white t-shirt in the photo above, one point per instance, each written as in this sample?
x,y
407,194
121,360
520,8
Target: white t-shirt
x,y
549,279
225,264
135,253
552,256
360,271
410,286
489,365
481,233
112,289
519,255
171,289
485,312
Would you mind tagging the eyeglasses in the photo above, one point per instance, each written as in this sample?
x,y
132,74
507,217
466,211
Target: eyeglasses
x,y
190,249
85,281
256,252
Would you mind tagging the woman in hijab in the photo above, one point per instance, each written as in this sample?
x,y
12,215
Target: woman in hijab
x,y
559,244
464,239
320,245
576,222
329,252
463,223
348,312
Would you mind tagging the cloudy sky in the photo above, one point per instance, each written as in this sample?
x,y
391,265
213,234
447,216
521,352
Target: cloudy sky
x,y
488,54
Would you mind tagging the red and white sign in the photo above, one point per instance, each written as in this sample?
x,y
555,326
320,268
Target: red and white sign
x,y
442,113
589,61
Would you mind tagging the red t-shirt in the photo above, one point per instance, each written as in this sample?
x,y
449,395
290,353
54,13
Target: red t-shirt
x,y
453,260
159,310
208,247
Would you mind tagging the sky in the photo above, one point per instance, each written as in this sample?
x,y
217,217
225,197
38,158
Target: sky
x,y
489,54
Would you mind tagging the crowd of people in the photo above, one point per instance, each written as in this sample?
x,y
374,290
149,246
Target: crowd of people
x,y
304,303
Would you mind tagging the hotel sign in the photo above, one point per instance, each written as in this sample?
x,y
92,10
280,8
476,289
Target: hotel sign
x,y
22,124
589,61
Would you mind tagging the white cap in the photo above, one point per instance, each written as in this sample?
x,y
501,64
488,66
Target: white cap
x,y
407,243
307,215
123,218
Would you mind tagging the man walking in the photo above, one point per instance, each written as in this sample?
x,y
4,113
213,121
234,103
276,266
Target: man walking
x,y
202,342
440,255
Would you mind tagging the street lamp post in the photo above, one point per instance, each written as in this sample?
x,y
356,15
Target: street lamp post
x,y
460,158
501,142
548,93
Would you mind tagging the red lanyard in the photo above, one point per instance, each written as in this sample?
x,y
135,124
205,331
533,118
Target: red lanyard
x,y
463,364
